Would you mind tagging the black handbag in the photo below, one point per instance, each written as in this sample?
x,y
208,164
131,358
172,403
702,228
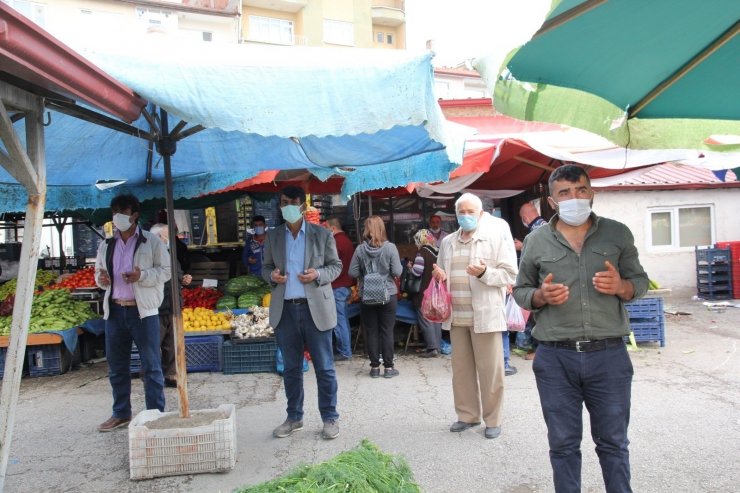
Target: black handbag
x,y
410,284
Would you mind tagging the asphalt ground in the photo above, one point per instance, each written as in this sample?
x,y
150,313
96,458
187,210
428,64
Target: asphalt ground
x,y
684,432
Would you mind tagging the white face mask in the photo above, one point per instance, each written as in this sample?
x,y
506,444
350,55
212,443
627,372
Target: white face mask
x,y
122,222
574,211
435,230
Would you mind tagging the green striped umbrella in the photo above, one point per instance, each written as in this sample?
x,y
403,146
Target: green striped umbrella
x,y
645,74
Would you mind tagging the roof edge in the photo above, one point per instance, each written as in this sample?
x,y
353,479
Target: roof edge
x,y
652,187
32,54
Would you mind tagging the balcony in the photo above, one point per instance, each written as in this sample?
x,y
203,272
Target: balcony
x,y
291,6
388,13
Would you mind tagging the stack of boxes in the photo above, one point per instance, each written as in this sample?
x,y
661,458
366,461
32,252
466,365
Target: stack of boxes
x,y
734,247
647,320
713,273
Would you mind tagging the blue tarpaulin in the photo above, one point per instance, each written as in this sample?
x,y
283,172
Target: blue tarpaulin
x,y
367,115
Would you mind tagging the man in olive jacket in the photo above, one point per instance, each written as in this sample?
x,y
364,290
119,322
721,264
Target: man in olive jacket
x,y
575,274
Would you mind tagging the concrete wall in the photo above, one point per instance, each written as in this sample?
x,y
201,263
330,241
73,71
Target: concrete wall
x,y
674,268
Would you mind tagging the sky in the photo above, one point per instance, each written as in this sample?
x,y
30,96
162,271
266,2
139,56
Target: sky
x,y
465,29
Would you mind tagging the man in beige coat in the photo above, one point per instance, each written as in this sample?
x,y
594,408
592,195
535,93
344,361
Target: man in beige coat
x,y
477,263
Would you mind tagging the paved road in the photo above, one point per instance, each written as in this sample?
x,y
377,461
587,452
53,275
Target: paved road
x,y
685,429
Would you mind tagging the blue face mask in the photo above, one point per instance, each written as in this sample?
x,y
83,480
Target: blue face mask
x,y
259,230
291,213
467,223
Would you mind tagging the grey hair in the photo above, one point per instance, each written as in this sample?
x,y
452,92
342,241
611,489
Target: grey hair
x,y
156,229
469,197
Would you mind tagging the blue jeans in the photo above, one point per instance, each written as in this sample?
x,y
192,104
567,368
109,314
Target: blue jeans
x,y
341,331
296,330
507,348
567,379
122,327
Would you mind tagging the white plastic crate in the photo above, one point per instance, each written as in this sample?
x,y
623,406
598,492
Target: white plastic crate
x,y
173,452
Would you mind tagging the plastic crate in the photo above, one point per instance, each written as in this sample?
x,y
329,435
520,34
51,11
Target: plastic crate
x,y
250,357
649,331
204,353
714,278
715,294
48,360
645,308
712,255
155,452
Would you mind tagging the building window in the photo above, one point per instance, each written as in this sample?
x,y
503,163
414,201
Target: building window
x,y
157,19
389,39
379,37
681,227
339,32
271,30
32,10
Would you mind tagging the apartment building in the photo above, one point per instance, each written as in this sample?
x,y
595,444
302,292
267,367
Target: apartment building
x,y
377,24
359,23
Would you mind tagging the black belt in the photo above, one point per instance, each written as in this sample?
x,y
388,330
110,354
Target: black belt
x,y
585,346
297,301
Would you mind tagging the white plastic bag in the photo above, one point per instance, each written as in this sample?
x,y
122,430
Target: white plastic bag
x,y
515,321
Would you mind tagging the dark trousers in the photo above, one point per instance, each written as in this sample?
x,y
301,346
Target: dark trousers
x,y
379,321
121,329
167,344
567,379
295,331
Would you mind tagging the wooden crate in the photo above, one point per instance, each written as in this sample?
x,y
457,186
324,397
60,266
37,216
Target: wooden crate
x,y
209,270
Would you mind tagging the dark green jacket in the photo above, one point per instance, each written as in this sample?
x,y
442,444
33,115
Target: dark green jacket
x,y
587,314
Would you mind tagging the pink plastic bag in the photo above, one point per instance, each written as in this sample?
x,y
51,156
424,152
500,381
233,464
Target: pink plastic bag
x,y
436,306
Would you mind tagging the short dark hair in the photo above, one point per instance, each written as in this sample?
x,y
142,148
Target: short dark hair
x,y
567,172
258,218
126,201
294,192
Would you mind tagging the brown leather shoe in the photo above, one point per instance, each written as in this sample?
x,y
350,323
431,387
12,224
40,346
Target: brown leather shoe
x,y
113,423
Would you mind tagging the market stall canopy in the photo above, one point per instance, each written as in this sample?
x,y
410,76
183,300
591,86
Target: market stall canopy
x,y
645,75
369,116
507,156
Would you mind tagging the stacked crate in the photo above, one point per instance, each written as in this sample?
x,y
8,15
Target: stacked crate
x,y
647,320
734,247
713,273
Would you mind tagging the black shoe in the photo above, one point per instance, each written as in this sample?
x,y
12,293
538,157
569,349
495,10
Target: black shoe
x,y
510,370
492,432
341,357
374,372
459,426
170,382
429,354
390,373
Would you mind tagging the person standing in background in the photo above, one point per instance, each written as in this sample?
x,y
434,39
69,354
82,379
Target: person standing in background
x,y
166,328
532,221
377,255
422,267
342,289
253,251
435,227
575,274
477,263
300,262
132,267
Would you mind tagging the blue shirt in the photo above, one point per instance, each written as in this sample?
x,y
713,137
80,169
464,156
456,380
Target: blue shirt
x,y
256,249
295,252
